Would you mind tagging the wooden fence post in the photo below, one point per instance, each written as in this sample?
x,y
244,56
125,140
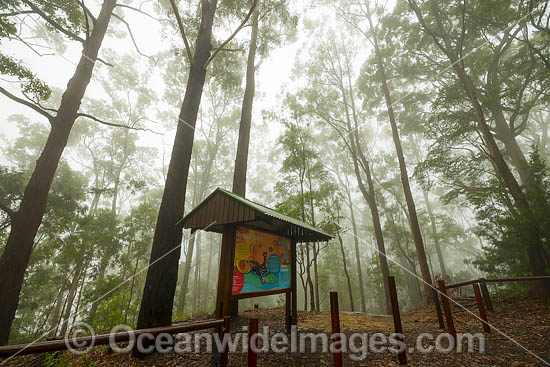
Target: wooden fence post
x,y
397,319
446,307
225,351
486,295
481,308
288,311
253,343
335,317
438,309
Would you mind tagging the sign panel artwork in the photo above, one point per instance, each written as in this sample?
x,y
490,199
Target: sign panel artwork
x,y
262,262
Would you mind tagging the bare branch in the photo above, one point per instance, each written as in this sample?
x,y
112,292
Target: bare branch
x,y
28,44
140,11
182,31
112,124
131,35
104,62
26,103
243,23
17,13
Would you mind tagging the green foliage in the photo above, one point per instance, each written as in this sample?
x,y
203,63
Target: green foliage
x,y
55,359
31,84
12,184
305,184
506,253
111,312
55,15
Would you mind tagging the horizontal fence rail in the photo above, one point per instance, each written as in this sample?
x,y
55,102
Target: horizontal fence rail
x,y
103,339
520,279
482,296
495,280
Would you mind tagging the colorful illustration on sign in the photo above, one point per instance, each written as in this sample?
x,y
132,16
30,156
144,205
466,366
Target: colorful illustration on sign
x,y
262,262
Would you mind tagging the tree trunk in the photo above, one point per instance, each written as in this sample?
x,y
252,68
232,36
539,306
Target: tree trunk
x,y
54,325
378,234
308,278
316,276
302,273
210,254
529,230
350,293
359,158
435,235
411,277
241,159
413,219
529,227
26,221
122,165
162,275
81,289
197,277
504,133
186,272
100,281
70,298
357,253
413,291
95,202
131,290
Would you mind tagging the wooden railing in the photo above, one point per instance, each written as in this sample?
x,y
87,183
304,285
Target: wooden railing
x,y
223,326
482,295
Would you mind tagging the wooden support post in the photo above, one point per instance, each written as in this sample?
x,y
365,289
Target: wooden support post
x,y
481,308
486,295
225,351
288,311
293,284
219,291
335,317
438,309
397,319
225,277
253,343
447,307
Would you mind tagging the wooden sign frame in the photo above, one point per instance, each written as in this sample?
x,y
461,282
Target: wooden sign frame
x,y
225,277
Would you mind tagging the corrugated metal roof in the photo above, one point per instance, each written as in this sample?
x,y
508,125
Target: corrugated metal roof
x,y
261,209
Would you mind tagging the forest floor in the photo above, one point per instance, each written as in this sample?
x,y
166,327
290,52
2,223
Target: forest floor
x,y
524,325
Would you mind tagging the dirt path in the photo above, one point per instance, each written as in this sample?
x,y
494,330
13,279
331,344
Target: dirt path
x,y
525,321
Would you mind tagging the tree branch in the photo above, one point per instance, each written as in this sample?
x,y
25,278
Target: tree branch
x,y
26,103
104,62
139,11
53,23
81,3
182,31
112,124
87,11
131,35
17,13
245,20
9,211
